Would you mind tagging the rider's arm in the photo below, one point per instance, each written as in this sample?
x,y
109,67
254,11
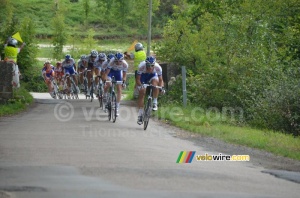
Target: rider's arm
x,y
106,73
138,80
160,81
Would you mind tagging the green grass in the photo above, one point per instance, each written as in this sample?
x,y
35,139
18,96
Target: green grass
x,y
129,89
218,126
18,103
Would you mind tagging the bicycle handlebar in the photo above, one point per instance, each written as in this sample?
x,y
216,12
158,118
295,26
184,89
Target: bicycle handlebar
x,y
150,85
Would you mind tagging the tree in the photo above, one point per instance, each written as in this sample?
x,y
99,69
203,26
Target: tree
x,y
59,35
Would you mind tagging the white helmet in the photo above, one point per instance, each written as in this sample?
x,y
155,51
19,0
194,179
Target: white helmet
x,y
12,42
138,47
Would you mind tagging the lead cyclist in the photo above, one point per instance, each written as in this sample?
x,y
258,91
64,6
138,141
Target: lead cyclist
x,y
148,71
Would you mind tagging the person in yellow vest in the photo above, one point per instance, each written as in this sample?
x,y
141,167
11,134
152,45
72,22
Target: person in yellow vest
x,y
11,50
138,56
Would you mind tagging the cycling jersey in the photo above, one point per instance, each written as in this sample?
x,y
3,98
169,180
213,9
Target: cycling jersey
x,y
49,73
69,64
81,64
59,71
155,69
121,67
91,63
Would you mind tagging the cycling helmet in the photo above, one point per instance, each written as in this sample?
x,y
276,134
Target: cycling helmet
x,y
119,56
94,53
47,62
68,57
110,56
150,61
82,57
12,42
102,56
138,47
58,63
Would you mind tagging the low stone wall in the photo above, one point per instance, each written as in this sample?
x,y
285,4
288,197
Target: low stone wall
x,y
6,88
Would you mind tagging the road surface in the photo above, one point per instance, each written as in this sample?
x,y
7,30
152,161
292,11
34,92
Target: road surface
x,y
68,148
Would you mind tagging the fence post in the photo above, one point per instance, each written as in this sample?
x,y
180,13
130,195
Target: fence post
x,y
183,71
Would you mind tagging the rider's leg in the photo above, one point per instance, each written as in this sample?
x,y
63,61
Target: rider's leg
x,y
154,82
97,73
81,70
141,97
89,77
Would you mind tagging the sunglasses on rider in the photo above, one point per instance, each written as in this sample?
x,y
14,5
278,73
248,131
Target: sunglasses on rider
x,y
149,65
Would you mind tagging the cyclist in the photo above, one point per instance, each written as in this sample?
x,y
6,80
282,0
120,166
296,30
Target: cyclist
x,y
45,67
149,71
104,67
59,73
139,55
91,62
117,67
105,64
82,64
48,74
98,68
69,66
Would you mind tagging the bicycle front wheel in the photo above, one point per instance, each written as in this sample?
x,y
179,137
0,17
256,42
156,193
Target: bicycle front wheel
x,y
74,90
147,113
114,107
92,92
109,109
100,96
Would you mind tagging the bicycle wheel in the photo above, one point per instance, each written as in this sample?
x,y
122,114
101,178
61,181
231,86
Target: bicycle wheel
x,y
55,90
147,113
109,109
85,84
100,96
92,92
114,107
74,90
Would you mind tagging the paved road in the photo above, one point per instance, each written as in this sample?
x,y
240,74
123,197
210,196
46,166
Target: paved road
x,y
69,149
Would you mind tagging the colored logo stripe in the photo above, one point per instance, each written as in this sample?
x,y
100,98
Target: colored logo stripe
x,y
185,156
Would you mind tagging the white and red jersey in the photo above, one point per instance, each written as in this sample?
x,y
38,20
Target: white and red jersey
x,y
59,71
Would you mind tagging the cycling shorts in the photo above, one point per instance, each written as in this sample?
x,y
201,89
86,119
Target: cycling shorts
x,y
146,77
70,71
117,74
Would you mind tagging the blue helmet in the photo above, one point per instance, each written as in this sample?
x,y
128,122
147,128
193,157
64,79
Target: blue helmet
x,y
110,56
119,56
150,61
68,57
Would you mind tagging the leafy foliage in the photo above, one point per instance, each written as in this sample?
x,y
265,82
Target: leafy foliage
x,y
239,54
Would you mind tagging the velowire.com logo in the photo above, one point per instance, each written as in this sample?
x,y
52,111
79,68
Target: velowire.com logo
x,y
188,156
